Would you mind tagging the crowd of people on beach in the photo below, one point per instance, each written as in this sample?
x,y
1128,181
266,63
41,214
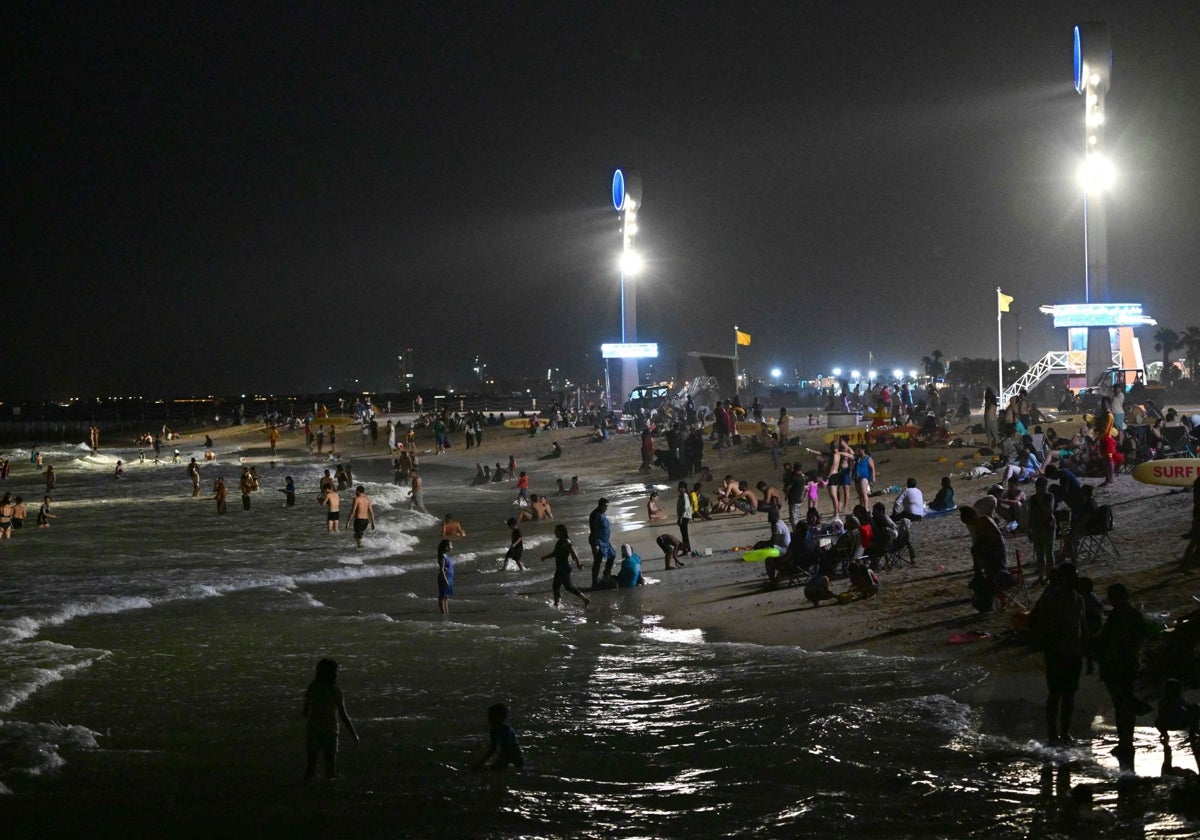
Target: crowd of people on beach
x,y
863,535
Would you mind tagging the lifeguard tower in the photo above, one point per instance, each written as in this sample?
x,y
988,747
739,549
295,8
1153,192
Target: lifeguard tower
x,y
1099,333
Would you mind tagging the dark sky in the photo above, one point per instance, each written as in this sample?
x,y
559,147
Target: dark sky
x,y
213,197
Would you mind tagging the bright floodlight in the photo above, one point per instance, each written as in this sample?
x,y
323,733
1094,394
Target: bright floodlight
x,y
776,373
897,374
912,374
872,374
837,371
854,374
631,263
1097,174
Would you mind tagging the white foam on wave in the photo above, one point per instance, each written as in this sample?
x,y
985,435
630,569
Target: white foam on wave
x,y
27,627
344,573
309,599
33,749
390,540
373,617
31,666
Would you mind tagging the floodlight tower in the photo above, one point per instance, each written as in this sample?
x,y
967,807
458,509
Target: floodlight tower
x,y
1093,75
627,199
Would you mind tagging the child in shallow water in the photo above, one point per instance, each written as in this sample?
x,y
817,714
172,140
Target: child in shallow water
x,y
503,741
324,705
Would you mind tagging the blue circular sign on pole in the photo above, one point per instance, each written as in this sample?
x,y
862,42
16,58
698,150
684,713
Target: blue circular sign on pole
x,y
1078,63
618,190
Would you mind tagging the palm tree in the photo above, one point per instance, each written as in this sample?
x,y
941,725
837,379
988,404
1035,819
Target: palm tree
x,y
1190,340
1166,341
933,363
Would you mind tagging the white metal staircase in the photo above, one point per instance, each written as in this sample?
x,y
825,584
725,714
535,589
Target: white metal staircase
x,y
1056,361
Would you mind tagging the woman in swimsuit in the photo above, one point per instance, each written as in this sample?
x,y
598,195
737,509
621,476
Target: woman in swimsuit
x,y
6,516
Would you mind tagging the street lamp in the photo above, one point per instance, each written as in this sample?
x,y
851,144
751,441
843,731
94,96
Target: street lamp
x,y
1093,76
837,371
627,198
897,374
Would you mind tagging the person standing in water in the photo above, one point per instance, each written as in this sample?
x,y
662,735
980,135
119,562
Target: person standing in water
x,y
332,516
324,706
221,494
600,541
516,546
289,492
245,485
50,479
445,576
417,494
362,513
193,471
1058,622
44,515
563,553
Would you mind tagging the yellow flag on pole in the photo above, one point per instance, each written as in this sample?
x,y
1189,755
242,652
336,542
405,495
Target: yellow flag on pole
x,y
743,339
1003,300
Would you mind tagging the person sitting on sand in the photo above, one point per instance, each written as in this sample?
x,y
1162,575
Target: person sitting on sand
x,y
653,511
574,488
817,589
725,494
910,504
944,500
986,505
630,573
1012,507
746,500
863,580
772,497
555,452
451,527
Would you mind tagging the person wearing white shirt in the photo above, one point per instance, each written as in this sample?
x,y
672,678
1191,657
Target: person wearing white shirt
x,y
910,504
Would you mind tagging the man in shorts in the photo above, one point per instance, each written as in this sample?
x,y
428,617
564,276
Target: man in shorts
x,y
361,514
672,548
332,515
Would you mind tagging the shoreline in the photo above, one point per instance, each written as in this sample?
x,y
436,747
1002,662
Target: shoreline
x,y
728,600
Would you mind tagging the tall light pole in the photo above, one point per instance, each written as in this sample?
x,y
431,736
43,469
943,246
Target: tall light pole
x,y
1093,77
627,199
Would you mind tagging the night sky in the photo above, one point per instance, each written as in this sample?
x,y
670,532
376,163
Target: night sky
x,y
219,198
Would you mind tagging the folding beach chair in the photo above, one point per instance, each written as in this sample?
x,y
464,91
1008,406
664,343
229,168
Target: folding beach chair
x,y
1018,593
900,550
799,573
1177,443
846,550
1095,537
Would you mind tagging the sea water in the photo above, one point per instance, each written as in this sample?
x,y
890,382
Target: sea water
x,y
147,644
